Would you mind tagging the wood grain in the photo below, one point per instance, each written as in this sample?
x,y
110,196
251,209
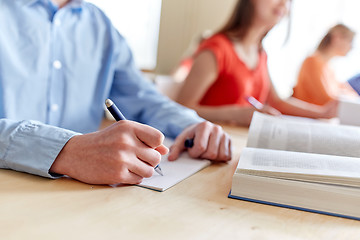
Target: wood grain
x,y
33,207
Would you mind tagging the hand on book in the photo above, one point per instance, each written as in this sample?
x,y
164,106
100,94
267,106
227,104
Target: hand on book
x,y
330,109
267,109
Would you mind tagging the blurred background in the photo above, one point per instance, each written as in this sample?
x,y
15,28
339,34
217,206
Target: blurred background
x,y
161,32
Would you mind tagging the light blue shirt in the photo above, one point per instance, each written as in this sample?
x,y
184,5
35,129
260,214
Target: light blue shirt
x,y
57,67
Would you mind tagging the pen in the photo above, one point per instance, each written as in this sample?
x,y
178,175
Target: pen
x,y
115,112
255,103
189,143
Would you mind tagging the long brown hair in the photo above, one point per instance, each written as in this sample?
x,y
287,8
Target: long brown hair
x,y
343,30
241,19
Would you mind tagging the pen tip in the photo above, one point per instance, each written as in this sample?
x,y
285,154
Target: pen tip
x,y
108,103
158,170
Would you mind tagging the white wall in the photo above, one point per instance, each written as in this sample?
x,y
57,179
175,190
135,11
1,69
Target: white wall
x,y
310,20
181,22
138,21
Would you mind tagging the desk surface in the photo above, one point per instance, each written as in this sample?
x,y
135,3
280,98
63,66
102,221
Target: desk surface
x,y
33,207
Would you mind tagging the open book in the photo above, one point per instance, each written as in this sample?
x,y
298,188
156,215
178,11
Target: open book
x,y
175,171
305,165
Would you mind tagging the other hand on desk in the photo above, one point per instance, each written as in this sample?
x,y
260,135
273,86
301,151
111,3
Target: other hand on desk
x,y
210,142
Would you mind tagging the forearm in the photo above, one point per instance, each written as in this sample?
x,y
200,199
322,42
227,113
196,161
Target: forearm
x,y
171,118
347,90
157,111
296,107
228,114
140,101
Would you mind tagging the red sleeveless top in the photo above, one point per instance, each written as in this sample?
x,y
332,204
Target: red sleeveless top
x,y
235,81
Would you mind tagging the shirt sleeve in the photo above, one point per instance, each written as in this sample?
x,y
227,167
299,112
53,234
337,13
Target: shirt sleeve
x,y
218,46
30,146
354,82
139,100
320,83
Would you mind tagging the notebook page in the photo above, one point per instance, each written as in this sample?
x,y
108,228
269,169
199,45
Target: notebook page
x,y
271,132
174,172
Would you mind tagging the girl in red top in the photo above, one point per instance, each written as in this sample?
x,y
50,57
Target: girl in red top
x,y
232,65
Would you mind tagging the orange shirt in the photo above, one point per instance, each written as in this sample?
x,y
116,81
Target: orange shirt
x,y
316,82
235,81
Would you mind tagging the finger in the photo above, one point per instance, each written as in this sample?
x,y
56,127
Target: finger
x,y
275,112
201,139
149,135
177,148
224,151
131,178
162,149
175,151
213,143
148,155
223,148
141,168
270,110
230,148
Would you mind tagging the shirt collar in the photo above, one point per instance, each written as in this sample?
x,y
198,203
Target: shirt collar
x,y
74,4
28,2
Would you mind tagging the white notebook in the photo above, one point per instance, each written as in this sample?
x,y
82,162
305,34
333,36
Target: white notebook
x,y
174,171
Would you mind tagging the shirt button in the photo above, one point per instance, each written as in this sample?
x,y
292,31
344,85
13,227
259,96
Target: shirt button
x,y
57,22
54,107
57,64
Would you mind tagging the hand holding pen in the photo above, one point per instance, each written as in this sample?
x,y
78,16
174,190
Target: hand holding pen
x,y
124,153
201,140
128,151
262,108
115,112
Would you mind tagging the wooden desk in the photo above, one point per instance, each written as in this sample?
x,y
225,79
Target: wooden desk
x,y
33,207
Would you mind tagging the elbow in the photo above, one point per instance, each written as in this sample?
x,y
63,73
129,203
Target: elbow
x,y
182,101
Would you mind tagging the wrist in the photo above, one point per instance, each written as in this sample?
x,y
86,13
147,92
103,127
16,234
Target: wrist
x,y
60,165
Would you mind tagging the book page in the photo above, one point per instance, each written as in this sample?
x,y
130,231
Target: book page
x,y
301,119
349,112
300,166
175,171
271,132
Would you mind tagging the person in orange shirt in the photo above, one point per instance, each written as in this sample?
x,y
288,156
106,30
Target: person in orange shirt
x,y
232,65
316,82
